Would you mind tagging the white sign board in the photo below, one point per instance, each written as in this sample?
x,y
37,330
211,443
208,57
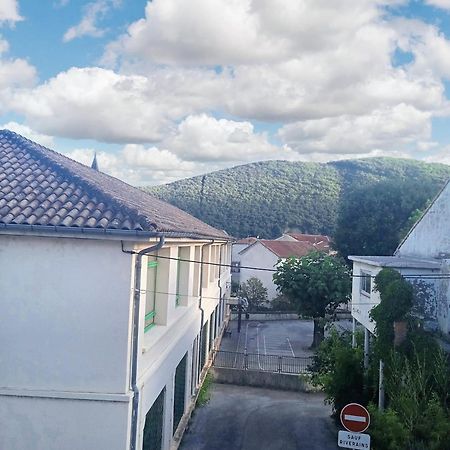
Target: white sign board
x,y
346,439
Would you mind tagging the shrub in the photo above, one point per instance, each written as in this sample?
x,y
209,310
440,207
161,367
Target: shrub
x,y
387,431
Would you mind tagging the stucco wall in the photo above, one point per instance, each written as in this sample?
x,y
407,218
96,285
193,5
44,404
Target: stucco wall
x,y
31,423
431,236
65,306
259,256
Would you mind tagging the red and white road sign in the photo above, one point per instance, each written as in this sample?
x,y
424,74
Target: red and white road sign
x,y
354,417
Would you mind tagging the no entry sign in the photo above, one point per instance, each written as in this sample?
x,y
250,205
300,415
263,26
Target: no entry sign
x,y
354,417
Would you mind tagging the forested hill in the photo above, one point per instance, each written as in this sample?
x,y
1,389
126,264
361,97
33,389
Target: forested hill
x,y
266,198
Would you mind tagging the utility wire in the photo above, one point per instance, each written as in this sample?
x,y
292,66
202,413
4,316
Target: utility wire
x,y
418,275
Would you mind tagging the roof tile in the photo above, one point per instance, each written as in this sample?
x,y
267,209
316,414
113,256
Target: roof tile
x,y
40,187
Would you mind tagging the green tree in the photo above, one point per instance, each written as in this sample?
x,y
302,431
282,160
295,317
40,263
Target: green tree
x,y
372,218
254,291
316,284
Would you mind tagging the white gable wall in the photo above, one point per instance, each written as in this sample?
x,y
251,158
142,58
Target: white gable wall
x,y
430,238
259,256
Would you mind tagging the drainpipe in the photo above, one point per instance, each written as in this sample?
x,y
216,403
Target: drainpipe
x,y
135,331
202,311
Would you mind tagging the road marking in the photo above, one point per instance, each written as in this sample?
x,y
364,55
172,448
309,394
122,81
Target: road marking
x,y
355,418
257,345
290,346
237,349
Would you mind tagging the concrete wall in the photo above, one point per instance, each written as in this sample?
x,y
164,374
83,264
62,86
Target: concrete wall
x,y
259,256
33,423
262,379
65,307
430,238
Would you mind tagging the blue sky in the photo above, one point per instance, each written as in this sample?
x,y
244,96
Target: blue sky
x,y
172,88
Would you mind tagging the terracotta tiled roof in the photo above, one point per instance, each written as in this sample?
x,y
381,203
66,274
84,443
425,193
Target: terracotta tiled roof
x,y
286,249
41,187
321,242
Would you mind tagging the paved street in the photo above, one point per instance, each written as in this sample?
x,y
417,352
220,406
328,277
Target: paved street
x,y
247,418
274,337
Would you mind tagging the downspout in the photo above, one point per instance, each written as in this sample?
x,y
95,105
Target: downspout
x,y
202,311
135,331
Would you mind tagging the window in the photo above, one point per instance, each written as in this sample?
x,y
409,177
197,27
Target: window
x,y
153,429
179,392
366,283
150,295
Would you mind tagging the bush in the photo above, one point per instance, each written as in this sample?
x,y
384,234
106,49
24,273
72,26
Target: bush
x,y
282,303
387,432
338,370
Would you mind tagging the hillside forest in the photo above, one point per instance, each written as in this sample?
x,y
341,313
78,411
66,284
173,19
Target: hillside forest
x,y
365,205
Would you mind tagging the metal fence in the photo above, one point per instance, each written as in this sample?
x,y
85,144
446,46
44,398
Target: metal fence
x,y
263,363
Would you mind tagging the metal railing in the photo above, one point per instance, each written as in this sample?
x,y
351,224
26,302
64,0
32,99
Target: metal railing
x,y
261,362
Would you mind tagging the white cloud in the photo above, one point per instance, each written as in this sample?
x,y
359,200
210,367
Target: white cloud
x,y
14,72
9,11
204,138
103,105
444,4
322,70
387,130
88,26
27,132
442,156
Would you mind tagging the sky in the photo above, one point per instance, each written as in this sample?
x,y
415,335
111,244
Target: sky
x,y
168,89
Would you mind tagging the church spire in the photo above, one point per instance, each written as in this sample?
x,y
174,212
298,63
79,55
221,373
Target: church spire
x,y
94,164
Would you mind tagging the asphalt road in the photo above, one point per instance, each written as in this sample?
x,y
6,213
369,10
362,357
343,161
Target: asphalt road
x,y
273,337
247,418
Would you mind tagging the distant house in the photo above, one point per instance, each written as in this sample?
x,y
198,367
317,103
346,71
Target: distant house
x,y
319,241
424,258
108,320
265,254
237,247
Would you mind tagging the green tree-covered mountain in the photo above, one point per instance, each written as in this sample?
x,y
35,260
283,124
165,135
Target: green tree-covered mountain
x,y
266,198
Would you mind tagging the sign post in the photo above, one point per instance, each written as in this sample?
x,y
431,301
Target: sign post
x,y
355,419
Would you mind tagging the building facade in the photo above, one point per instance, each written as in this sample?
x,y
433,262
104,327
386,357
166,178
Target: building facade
x,y
111,303
423,257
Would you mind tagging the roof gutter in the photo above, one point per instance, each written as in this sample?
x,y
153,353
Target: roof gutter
x,y
101,232
135,336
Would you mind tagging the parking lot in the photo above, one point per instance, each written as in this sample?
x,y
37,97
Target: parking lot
x,y
271,337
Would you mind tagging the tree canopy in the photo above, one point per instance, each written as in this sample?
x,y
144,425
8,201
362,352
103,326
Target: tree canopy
x,y
372,219
316,284
267,198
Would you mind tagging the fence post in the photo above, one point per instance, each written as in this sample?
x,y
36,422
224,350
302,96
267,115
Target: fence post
x,y
280,363
245,360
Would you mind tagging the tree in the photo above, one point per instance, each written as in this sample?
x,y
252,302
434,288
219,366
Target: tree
x,y
254,292
316,284
372,218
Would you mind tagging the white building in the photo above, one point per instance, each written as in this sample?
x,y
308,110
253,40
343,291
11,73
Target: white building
x,y
107,317
265,254
422,257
